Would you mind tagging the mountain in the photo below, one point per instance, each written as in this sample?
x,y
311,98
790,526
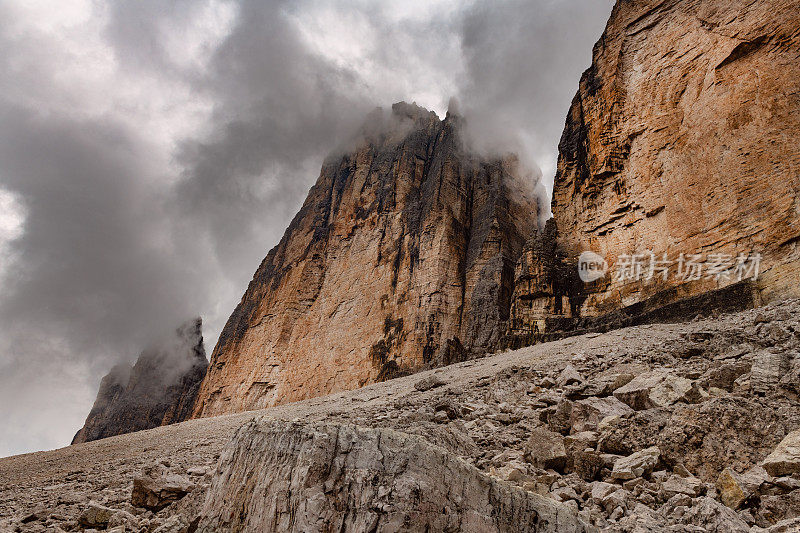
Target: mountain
x,y
684,138
412,252
401,258
159,389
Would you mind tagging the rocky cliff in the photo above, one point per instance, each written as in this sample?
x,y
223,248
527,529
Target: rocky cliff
x,y
683,139
402,257
546,286
159,389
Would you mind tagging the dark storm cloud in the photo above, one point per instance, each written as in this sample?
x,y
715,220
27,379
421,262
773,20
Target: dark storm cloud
x,y
93,283
122,243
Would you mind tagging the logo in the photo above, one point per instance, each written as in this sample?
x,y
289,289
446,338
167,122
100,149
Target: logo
x,y
591,266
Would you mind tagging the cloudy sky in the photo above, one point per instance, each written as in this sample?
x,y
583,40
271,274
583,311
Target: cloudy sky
x,y
152,152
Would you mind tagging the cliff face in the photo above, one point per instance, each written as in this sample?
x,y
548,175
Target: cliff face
x,y
159,389
684,138
402,257
542,285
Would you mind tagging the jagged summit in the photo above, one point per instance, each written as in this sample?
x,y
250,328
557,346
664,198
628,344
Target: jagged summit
x,y
412,111
401,258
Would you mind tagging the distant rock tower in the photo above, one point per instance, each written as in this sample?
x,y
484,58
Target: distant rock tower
x,y
159,389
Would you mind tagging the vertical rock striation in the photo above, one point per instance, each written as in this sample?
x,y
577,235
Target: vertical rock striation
x,y
402,257
159,389
684,138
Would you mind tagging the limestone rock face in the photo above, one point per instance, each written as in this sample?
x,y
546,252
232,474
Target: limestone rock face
x,y
281,476
402,257
159,389
683,138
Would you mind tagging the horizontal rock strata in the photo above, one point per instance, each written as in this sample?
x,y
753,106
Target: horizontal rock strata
x,y
683,138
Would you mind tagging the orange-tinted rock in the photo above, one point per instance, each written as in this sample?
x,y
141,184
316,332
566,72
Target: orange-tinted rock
x,y
401,258
684,137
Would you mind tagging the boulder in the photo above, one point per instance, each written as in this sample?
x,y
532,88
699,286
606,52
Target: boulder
x,y
96,515
785,459
769,366
123,519
713,517
775,508
158,488
690,486
449,408
601,489
619,498
512,471
569,376
545,449
735,489
658,389
587,414
725,375
282,476
606,383
636,465
559,416
429,382
587,464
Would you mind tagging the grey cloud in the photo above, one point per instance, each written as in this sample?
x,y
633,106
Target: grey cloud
x,y
523,63
95,280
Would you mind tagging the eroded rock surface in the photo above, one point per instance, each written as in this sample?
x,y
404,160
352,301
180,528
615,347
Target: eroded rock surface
x,y
281,477
512,417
